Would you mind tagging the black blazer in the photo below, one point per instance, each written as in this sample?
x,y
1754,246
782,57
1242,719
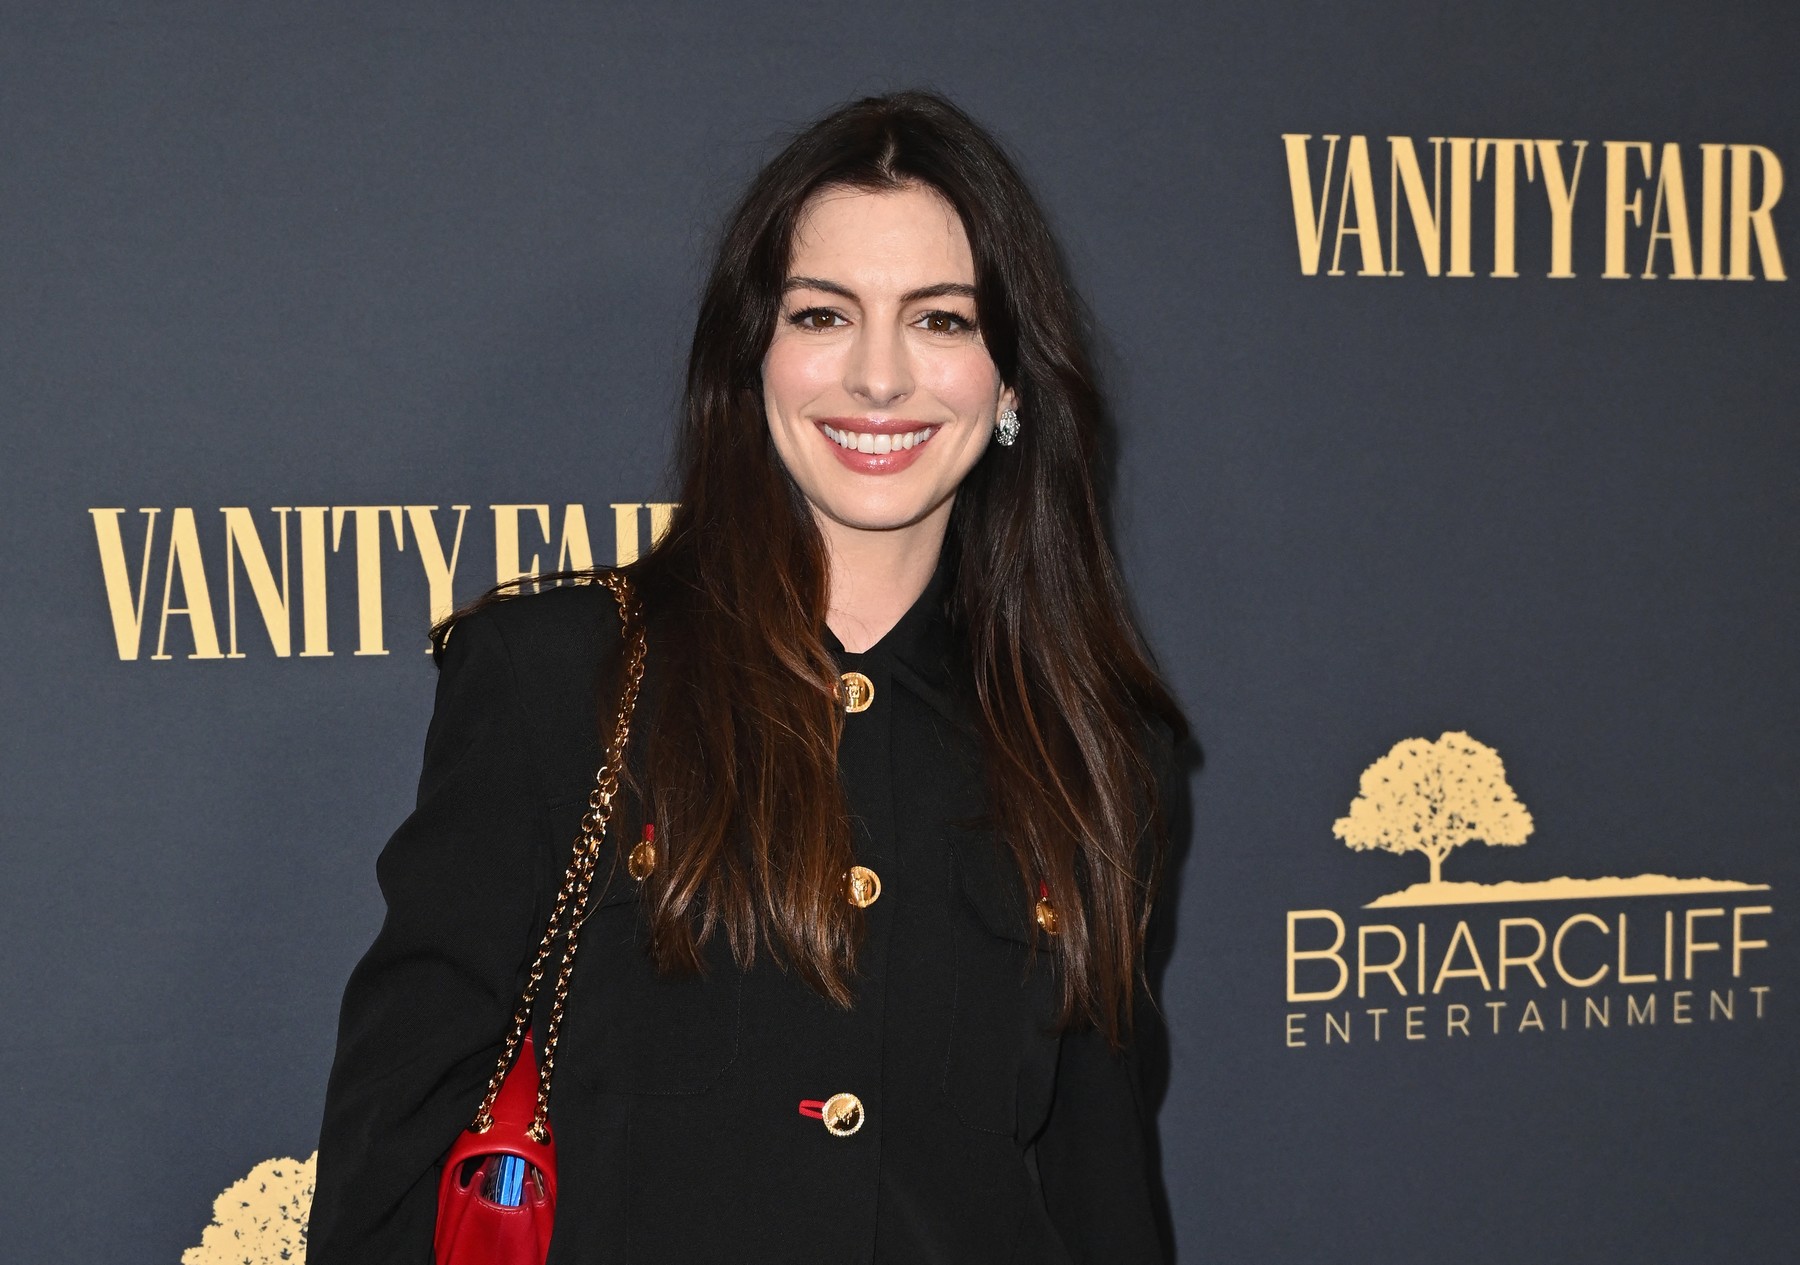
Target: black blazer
x,y
676,1105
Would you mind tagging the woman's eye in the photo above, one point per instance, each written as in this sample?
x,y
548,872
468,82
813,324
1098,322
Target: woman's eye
x,y
814,318
947,323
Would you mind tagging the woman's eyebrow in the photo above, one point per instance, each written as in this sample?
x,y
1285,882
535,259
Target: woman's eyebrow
x,y
940,290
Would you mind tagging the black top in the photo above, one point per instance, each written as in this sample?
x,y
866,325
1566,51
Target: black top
x,y
676,1112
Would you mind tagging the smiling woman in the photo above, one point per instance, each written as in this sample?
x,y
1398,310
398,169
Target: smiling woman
x,y
877,369
864,972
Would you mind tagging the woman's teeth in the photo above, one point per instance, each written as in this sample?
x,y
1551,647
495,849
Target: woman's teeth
x,y
869,441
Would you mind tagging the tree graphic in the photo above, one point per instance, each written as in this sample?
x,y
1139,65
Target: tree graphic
x,y
1431,797
260,1219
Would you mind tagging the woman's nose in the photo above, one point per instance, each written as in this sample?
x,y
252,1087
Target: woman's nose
x,y
878,370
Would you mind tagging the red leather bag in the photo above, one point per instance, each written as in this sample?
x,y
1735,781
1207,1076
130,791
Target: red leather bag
x,y
497,1197
497,1194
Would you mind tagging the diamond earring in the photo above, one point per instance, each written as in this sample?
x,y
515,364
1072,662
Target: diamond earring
x,y
1006,429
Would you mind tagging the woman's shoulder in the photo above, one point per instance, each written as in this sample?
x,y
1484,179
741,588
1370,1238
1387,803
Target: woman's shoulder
x,y
553,639
577,617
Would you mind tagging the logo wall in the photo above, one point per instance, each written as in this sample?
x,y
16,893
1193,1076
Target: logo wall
x,y
1591,954
1600,954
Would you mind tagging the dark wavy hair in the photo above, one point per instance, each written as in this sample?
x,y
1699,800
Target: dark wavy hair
x,y
1065,687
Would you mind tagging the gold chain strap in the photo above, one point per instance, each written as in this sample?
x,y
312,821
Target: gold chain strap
x,y
572,897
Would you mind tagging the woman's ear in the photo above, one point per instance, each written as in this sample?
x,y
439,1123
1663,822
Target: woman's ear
x,y
1009,399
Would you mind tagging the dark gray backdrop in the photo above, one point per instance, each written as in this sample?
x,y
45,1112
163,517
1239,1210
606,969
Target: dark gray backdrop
x,y
447,253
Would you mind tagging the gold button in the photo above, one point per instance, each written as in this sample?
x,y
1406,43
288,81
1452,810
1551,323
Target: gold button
x,y
1046,916
842,1114
643,860
857,691
862,886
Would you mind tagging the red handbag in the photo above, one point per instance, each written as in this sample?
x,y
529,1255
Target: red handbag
x,y
497,1195
497,1198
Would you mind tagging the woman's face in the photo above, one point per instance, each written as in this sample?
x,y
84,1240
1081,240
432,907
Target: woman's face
x,y
879,391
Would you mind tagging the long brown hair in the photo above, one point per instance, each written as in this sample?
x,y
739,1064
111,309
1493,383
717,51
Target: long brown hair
x,y
757,841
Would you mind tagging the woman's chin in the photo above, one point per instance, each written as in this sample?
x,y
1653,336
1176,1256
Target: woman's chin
x,y
876,514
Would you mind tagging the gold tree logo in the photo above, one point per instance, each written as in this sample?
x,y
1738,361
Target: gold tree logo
x,y
261,1218
1433,797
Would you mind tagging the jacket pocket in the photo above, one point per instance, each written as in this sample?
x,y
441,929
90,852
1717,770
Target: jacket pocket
x,y
628,1028
1000,1068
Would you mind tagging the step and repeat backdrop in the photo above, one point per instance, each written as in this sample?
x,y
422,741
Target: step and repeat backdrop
x,y
1454,362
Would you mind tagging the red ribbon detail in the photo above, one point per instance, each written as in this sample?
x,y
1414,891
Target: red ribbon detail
x,y
813,1107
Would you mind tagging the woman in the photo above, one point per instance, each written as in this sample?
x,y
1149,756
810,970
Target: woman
x,y
902,753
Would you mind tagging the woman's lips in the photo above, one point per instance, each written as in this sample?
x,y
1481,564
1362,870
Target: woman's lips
x,y
858,443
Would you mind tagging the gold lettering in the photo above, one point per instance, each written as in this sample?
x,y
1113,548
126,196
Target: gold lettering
x,y
315,622
1694,946
1597,1010
1671,196
507,553
1556,949
1624,977
272,603
573,550
1678,1007
1309,228
1635,1015
1295,1038
1745,218
1359,183
440,575
1442,220
1456,1019
127,616
1415,1023
1295,954
1712,211
1506,155
368,566
185,557
1617,205
1404,174
1561,196
1717,1003
1463,936
1530,961
1462,149
1738,943
1339,1026
1365,968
